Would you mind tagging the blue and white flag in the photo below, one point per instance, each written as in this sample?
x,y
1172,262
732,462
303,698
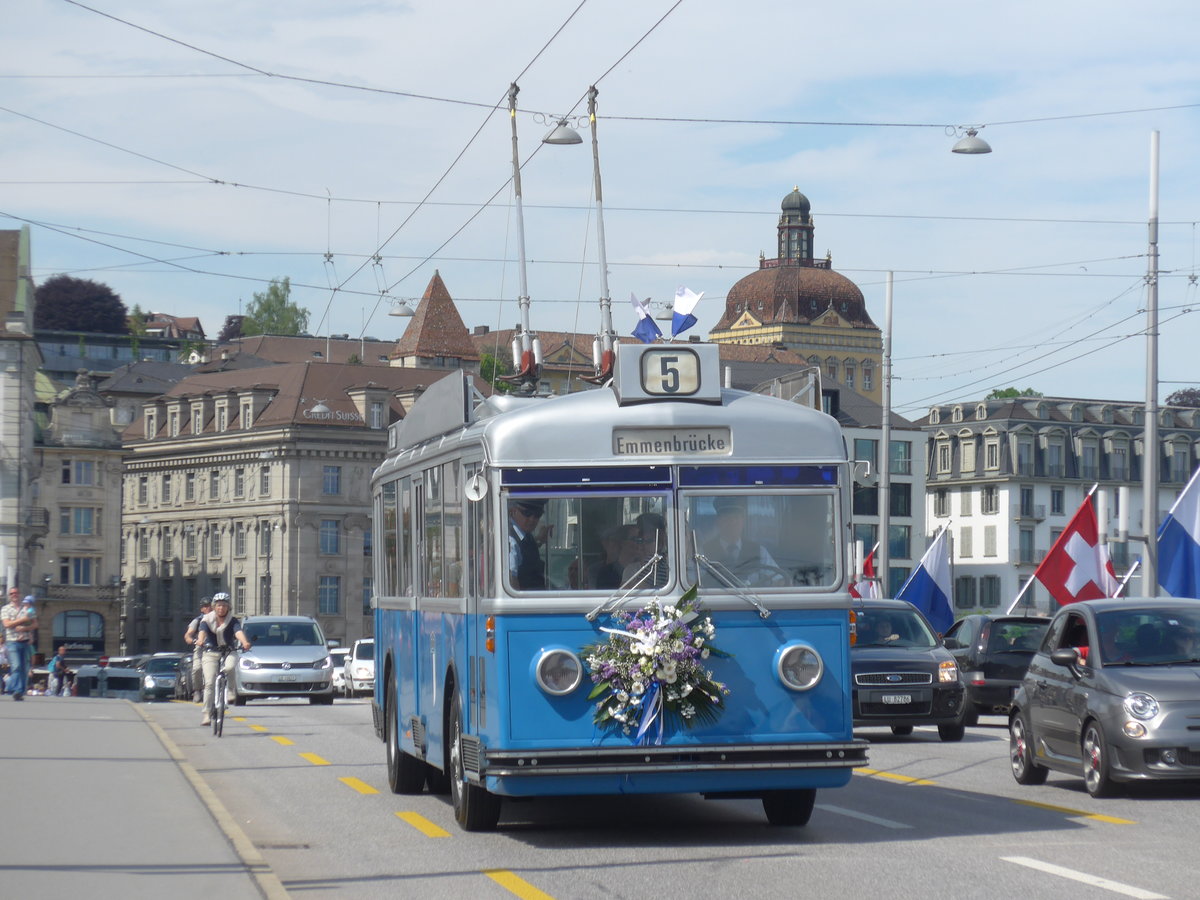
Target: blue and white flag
x,y
681,313
1179,544
928,587
646,329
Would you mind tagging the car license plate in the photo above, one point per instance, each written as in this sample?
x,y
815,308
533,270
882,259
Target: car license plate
x,y
897,699
286,678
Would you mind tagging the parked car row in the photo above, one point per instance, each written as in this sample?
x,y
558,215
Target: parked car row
x,y
1106,689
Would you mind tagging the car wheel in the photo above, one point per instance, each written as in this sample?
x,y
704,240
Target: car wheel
x,y
1020,753
902,730
789,807
406,773
952,732
971,719
321,700
239,700
475,808
1096,777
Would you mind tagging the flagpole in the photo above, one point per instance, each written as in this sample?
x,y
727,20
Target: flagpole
x,y
1124,581
885,469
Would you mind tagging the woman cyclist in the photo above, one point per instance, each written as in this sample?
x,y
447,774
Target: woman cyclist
x,y
218,630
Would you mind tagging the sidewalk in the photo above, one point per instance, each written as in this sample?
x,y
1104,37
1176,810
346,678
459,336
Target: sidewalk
x,y
97,802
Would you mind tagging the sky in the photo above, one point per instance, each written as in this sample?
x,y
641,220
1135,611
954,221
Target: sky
x,y
186,154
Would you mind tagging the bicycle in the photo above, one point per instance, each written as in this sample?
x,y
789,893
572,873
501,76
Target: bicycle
x,y
220,686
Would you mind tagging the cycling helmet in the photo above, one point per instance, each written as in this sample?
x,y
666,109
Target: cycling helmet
x,y
219,596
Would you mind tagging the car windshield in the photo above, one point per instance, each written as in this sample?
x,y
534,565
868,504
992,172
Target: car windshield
x,y
283,634
162,664
1019,637
364,651
1149,636
893,628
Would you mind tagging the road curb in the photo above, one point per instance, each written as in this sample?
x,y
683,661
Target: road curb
x,y
268,883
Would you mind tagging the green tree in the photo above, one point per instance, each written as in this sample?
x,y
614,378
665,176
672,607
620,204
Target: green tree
x,y
272,311
489,367
63,303
1011,392
1184,397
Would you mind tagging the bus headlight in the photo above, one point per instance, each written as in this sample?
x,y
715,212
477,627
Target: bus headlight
x,y
558,671
799,666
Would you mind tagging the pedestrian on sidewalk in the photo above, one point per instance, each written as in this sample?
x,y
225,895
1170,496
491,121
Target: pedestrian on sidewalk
x,y
20,622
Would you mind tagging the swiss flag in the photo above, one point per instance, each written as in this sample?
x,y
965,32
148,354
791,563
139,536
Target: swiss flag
x,y
1077,566
866,588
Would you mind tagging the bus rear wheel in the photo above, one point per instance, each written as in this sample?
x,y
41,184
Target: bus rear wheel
x,y
475,808
406,774
789,807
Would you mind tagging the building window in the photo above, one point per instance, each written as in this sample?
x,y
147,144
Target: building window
x,y
368,543
143,539
900,458
1025,546
991,454
264,481
1091,466
831,369
964,501
197,419
239,539
864,449
214,484
77,570
214,540
899,541
1056,501
991,500
1025,458
264,538
989,540
989,591
943,457
222,418
1026,502
866,500
368,589
189,486
967,447
965,550
168,544
151,425
1179,464
331,481
868,381
173,423
239,596
247,415
164,600
1055,467
376,414
848,378
941,502
79,471
143,489
264,594
189,543
956,414
77,520
166,489
964,592
330,537
239,482
329,595
900,499
1120,463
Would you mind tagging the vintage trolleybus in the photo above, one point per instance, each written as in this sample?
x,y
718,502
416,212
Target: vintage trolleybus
x,y
520,538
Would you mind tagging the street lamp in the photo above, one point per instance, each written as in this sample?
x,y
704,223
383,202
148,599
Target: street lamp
x,y
971,144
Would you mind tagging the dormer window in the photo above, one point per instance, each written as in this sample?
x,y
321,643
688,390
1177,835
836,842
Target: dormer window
x,y
956,414
935,416
151,424
981,412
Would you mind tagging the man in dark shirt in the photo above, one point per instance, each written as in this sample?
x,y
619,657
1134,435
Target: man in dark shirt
x,y
525,567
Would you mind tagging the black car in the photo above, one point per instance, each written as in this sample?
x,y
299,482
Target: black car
x,y
159,675
903,676
993,653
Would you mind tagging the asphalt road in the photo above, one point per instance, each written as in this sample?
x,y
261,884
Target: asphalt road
x,y
308,786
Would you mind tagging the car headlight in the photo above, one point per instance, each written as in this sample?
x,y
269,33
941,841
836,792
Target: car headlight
x,y
1141,706
799,667
325,663
947,671
148,681
558,671
245,662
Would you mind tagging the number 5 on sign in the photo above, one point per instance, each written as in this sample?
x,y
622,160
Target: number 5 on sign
x,y
670,372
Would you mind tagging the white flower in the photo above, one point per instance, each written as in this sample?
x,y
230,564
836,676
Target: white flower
x,y
637,687
623,697
704,653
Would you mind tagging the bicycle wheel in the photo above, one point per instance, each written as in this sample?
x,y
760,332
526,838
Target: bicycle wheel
x,y
218,720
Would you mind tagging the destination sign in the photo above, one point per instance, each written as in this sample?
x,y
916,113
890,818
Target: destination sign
x,y
672,442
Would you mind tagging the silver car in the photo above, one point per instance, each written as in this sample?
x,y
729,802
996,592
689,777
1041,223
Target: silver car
x,y
288,658
1112,694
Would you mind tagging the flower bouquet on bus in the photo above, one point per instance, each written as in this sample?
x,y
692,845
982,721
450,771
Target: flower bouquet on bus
x,y
651,670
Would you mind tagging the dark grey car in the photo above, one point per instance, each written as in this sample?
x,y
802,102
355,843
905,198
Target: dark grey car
x,y
993,652
1113,694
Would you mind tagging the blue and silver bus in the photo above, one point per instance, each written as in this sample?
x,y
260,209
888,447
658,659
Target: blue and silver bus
x,y
640,588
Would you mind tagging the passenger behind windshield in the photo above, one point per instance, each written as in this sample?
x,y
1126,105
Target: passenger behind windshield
x,y
1148,637
893,628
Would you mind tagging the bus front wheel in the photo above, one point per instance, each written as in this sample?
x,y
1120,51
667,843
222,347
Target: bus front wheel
x,y
474,807
789,807
406,773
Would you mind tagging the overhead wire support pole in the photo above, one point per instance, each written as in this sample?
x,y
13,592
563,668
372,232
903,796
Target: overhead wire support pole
x,y
1150,435
607,335
527,368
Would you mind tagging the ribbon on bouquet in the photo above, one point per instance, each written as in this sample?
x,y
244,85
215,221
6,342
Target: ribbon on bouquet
x,y
652,711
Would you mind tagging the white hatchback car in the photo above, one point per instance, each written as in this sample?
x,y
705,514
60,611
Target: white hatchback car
x,y
360,668
338,656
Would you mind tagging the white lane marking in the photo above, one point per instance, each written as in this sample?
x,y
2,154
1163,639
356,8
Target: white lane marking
x,y
1115,886
874,820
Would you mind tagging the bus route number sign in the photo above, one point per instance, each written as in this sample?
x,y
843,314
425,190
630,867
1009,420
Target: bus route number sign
x,y
673,372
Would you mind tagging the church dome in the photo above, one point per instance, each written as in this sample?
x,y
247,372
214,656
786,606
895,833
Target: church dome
x,y
794,295
796,202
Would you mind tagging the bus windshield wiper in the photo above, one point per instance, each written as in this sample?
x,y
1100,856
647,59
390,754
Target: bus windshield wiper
x,y
731,581
622,593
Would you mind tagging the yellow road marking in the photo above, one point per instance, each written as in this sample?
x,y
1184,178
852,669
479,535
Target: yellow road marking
x,y
239,718
906,779
280,739
1079,813
361,786
516,885
258,727
314,759
423,825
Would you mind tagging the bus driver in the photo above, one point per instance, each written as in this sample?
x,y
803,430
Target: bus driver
x,y
526,570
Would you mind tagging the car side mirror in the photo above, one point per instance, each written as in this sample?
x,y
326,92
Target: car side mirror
x,y
1068,657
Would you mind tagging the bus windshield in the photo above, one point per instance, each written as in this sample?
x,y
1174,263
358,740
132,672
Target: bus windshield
x,y
588,542
763,541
